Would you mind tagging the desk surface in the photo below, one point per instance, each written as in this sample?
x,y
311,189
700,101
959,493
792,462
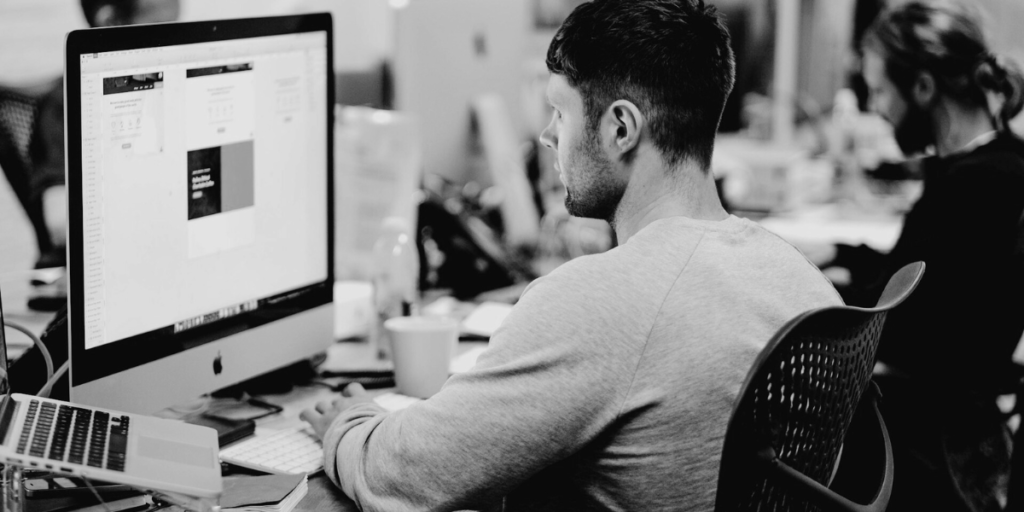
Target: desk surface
x,y
830,224
15,290
324,496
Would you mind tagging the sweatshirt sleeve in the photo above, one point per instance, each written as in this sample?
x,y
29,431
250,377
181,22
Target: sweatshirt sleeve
x,y
549,382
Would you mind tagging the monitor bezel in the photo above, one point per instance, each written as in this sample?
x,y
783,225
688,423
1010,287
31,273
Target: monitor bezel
x,y
113,358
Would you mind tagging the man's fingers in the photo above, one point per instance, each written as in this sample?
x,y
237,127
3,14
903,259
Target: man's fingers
x,y
309,415
353,389
322,407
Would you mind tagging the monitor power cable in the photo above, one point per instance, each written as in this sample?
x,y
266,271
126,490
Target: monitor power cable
x,y
44,392
96,493
51,377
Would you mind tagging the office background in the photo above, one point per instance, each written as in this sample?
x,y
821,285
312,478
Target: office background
x,y
32,31
31,38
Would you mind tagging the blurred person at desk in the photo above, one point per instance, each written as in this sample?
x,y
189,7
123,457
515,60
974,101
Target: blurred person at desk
x,y
610,384
48,183
47,146
945,352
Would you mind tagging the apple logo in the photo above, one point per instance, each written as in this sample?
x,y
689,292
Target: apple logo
x,y
217,366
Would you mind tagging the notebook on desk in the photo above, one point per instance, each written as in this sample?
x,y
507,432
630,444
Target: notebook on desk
x,y
100,444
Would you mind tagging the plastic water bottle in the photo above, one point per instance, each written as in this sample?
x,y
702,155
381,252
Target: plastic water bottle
x,y
395,278
843,144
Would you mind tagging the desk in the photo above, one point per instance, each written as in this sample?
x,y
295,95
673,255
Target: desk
x,y
322,494
14,290
832,224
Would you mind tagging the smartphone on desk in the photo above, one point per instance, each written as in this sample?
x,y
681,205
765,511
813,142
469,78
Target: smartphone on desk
x,y
228,430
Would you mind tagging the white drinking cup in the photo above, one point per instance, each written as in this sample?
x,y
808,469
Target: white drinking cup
x,y
421,348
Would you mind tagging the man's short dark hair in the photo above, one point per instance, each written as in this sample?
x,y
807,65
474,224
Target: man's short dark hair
x,y
671,58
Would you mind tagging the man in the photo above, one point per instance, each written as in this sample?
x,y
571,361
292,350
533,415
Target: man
x,y
610,384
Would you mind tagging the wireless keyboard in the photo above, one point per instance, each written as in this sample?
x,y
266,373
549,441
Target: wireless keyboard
x,y
288,451
293,450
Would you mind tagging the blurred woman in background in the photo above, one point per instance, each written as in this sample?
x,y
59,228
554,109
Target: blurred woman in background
x,y
946,353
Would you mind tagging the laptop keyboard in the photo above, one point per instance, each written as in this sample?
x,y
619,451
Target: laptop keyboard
x,y
75,435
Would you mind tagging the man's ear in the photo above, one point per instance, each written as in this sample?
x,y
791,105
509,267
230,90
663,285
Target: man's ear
x,y
924,89
622,127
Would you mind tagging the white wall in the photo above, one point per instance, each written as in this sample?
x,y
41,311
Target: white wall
x,y
32,31
362,28
32,38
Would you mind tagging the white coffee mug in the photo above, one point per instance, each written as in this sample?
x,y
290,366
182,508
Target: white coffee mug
x,y
421,348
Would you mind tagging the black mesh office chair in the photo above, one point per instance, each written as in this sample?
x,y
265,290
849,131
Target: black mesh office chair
x,y
18,111
799,403
1015,489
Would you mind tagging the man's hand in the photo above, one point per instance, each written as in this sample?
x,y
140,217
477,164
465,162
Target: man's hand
x,y
321,416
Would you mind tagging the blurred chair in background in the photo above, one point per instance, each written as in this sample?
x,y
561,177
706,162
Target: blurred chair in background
x,y
18,114
1015,387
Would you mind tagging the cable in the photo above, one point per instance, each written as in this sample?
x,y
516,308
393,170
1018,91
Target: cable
x,y
44,392
368,382
39,343
96,493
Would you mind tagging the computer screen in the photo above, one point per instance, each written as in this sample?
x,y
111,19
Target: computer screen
x,y
5,386
449,53
199,178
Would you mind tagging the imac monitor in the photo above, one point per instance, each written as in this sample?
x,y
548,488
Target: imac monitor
x,y
199,163
448,53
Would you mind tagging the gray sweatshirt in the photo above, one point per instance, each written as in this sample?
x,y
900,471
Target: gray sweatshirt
x,y
608,387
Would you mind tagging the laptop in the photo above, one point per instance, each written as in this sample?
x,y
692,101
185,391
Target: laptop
x,y
149,453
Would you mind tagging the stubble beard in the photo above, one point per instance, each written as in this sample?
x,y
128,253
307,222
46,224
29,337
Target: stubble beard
x,y
602,195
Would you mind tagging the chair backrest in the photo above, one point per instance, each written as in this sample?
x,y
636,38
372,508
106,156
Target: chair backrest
x,y
800,397
18,111
1015,489
1018,248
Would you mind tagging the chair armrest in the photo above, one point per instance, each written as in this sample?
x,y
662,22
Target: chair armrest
x,y
822,495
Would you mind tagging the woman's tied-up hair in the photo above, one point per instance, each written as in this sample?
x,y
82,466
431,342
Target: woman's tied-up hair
x,y
946,40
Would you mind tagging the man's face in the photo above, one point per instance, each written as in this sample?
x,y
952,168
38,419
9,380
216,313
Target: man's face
x,y
912,125
592,188
156,11
146,11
